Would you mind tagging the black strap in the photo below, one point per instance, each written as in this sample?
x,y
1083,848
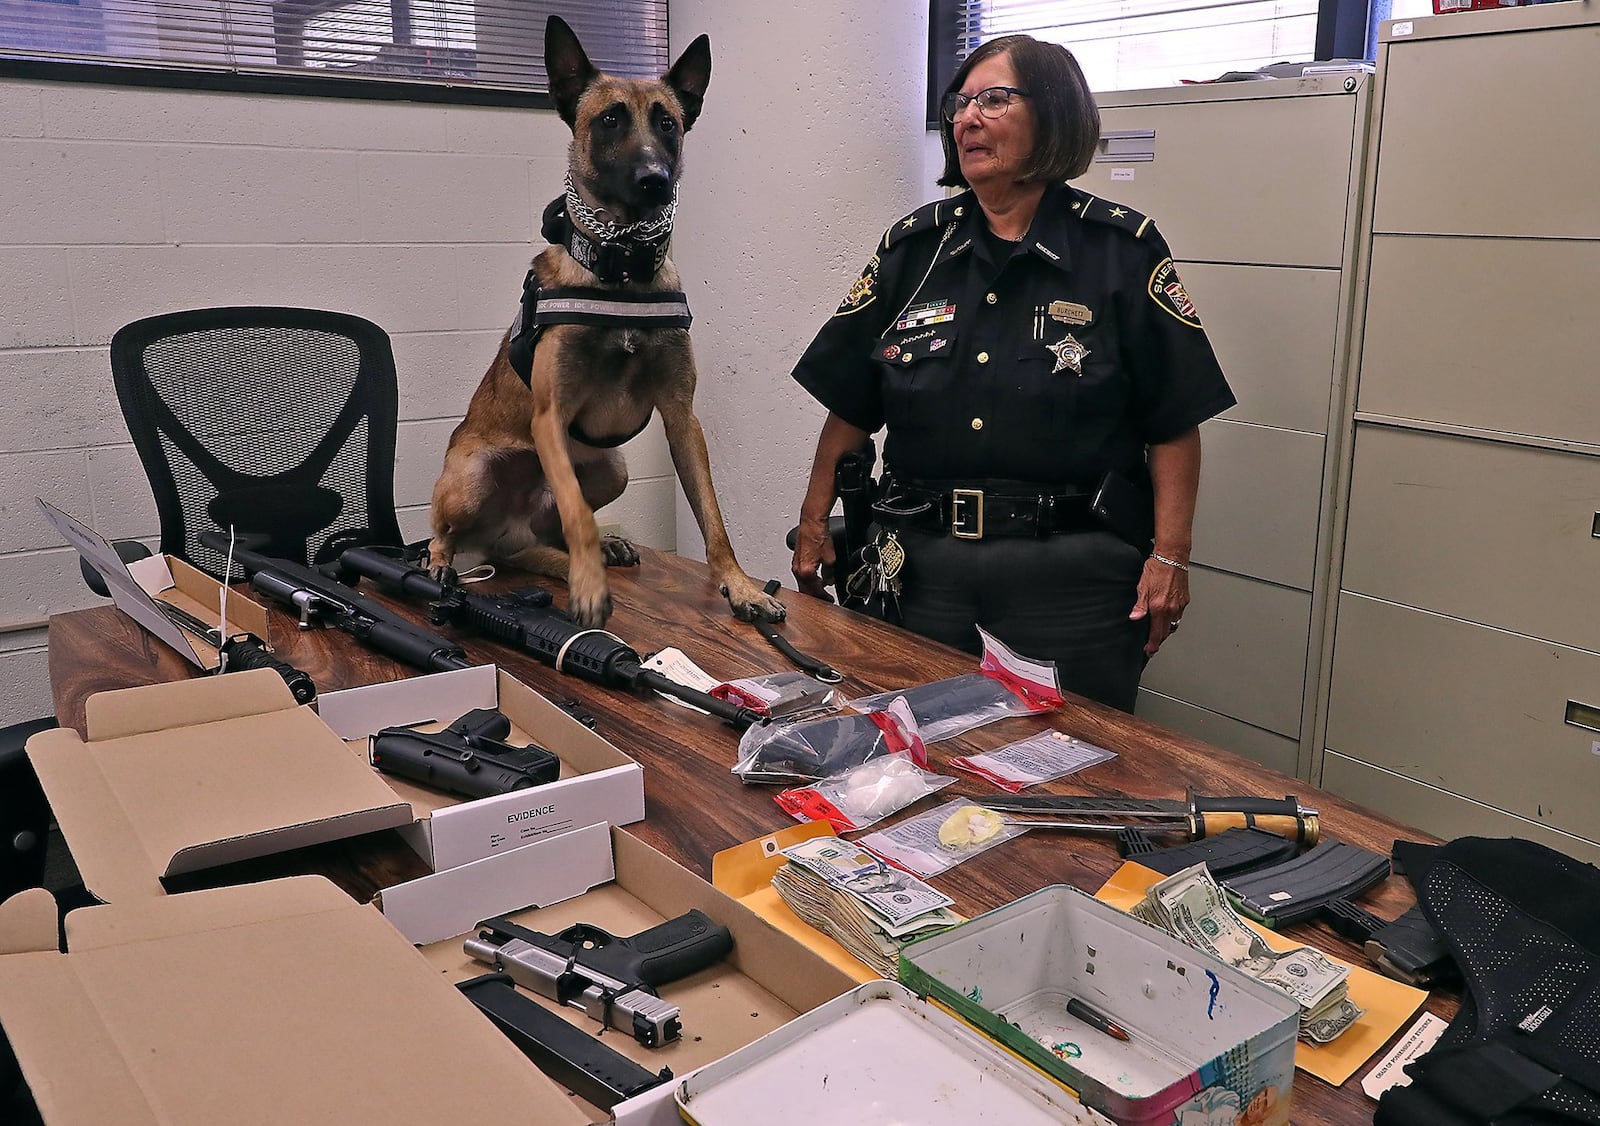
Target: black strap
x,y
805,663
587,305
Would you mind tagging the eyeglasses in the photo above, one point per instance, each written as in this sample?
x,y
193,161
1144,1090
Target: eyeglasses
x,y
992,103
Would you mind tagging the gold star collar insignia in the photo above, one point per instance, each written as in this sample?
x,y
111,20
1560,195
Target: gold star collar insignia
x,y
909,222
1118,212
1069,355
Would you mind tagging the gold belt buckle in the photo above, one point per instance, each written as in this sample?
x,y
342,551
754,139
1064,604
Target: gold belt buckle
x,y
959,497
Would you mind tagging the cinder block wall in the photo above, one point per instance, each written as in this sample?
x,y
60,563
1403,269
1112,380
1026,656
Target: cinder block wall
x,y
119,203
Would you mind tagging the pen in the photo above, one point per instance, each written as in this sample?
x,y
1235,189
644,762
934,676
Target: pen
x,y
1097,1019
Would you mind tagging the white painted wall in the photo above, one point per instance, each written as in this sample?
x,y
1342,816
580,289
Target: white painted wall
x,y
117,203
809,147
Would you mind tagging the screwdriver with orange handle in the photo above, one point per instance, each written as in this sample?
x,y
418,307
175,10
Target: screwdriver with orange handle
x,y
1197,815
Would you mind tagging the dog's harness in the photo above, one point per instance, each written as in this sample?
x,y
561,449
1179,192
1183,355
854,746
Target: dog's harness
x,y
613,261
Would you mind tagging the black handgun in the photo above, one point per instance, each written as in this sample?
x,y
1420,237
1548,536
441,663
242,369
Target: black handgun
x,y
612,979
470,757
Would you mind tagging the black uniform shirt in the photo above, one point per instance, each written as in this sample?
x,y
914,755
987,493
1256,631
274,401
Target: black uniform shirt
x,y
1065,360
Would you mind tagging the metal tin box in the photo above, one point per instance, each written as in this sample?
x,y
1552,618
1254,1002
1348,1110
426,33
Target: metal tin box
x,y
1205,1042
876,1056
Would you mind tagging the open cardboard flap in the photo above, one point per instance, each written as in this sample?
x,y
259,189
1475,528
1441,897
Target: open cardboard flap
x,y
193,774
276,1002
598,783
137,587
764,982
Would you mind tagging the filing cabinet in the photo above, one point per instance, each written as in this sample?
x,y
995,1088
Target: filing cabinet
x,y
1256,187
1464,683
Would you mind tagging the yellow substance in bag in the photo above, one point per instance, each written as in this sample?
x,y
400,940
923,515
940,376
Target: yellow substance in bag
x,y
968,827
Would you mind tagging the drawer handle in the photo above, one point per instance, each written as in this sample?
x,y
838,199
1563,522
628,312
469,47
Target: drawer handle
x,y
1594,528
1586,716
1122,146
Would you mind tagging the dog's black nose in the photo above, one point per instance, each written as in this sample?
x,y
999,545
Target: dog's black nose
x,y
654,183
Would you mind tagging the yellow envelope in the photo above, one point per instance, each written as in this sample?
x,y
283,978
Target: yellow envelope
x,y
1389,1003
745,873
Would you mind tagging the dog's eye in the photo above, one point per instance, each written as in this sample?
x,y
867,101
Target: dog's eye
x,y
667,124
610,119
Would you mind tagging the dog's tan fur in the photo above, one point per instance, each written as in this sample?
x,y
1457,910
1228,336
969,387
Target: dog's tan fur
x,y
515,485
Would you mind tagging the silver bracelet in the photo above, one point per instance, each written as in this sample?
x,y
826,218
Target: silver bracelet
x,y
1173,563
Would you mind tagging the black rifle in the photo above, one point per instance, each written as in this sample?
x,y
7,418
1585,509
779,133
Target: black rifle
x,y
470,757
321,601
612,979
528,622
242,651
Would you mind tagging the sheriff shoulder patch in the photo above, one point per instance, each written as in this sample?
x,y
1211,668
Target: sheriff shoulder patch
x,y
1168,292
862,292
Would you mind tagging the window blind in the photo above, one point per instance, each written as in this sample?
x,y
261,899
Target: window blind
x,y
1134,44
489,45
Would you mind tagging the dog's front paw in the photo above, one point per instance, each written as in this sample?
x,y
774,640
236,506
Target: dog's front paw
x,y
618,552
750,603
590,598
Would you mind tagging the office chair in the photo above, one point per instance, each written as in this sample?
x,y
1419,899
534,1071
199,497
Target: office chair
x,y
277,421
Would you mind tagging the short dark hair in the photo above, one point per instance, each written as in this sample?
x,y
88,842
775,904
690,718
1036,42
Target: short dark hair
x,y
1063,106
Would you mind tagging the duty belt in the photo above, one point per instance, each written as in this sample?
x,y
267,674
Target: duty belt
x,y
975,510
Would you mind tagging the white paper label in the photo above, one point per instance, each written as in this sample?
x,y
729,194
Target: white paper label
x,y
1122,173
1399,28
1390,1072
672,664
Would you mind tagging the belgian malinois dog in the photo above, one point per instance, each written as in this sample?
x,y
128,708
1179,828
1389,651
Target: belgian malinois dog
x,y
535,454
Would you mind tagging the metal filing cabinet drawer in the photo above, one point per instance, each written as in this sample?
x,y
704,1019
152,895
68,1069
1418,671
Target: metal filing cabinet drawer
x,y
1514,154
1260,494
1273,329
1498,334
1469,709
1223,731
1486,531
1242,651
1284,152
1438,811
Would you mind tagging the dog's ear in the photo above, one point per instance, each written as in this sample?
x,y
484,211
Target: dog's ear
x,y
569,68
689,77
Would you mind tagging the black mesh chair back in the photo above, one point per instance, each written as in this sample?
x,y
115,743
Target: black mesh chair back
x,y
278,422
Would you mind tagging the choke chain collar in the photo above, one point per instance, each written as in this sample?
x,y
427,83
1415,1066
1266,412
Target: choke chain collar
x,y
606,230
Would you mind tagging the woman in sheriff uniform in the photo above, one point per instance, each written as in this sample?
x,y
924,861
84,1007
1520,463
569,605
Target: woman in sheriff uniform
x,y
1042,375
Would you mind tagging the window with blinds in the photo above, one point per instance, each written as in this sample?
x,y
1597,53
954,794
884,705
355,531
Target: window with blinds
x,y
1134,44
487,50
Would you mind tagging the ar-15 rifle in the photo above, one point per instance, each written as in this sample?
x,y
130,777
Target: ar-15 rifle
x,y
321,601
527,621
612,979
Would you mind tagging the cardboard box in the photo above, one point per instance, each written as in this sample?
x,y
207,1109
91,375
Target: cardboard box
x,y
185,776
598,783
138,588
189,775
285,1001
270,1003
604,877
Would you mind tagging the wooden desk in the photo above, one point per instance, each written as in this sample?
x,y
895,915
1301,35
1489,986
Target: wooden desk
x,y
695,806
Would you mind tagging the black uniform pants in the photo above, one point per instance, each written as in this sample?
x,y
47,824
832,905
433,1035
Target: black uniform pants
x,y
1063,598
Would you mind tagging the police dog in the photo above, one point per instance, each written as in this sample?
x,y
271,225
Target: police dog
x,y
531,461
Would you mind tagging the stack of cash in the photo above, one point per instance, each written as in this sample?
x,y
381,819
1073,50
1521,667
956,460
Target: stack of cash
x,y
863,904
1190,906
